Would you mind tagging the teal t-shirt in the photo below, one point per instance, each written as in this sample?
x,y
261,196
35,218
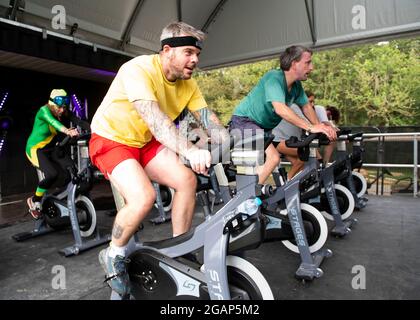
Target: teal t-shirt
x,y
257,104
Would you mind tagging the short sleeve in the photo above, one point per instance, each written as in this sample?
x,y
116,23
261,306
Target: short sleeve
x,y
197,100
321,113
301,99
274,90
137,83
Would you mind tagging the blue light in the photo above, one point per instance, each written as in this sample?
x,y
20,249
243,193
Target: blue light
x,y
105,73
5,122
2,141
77,107
3,100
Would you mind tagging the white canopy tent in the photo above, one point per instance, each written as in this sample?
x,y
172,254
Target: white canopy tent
x,y
238,30
99,35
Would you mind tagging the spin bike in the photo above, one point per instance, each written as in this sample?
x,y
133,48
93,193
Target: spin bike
x,y
70,206
163,203
160,269
333,200
299,226
353,180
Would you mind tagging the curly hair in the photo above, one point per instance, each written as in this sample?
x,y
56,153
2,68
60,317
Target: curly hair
x,y
334,113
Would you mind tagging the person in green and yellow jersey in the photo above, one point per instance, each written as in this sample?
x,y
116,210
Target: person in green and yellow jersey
x,y
41,144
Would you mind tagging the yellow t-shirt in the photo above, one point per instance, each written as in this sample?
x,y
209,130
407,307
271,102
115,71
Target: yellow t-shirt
x,y
142,78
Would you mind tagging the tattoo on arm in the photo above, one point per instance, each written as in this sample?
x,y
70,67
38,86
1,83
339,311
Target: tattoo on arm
x,y
212,124
117,231
162,127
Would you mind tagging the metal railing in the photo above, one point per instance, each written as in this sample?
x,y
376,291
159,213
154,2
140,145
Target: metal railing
x,y
382,138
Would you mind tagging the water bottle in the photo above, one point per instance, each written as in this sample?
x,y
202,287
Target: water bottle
x,y
250,206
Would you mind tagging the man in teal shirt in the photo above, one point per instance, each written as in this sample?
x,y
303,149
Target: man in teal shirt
x,y
268,103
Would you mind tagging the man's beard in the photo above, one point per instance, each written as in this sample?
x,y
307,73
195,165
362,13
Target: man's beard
x,y
179,74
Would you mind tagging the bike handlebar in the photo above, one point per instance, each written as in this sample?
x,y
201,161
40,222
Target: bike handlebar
x,y
294,142
347,135
66,139
218,153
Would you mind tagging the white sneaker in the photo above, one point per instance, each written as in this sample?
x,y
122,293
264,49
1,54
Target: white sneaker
x,y
34,208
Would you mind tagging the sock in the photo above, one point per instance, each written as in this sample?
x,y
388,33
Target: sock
x,y
175,235
131,246
39,193
117,251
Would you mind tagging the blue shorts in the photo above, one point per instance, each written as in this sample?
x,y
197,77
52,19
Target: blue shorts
x,y
246,126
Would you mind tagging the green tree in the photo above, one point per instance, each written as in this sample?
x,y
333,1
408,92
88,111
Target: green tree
x,y
225,88
370,84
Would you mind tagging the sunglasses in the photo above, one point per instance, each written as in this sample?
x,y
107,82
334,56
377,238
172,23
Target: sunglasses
x,y
61,101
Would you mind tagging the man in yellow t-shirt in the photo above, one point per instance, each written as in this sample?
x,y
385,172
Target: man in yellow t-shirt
x,y
134,140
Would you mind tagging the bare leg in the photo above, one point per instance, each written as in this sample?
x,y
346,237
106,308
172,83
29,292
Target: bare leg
x,y
131,181
328,151
167,169
272,160
291,155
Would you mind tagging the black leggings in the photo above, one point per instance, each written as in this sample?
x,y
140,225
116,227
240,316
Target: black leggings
x,y
53,166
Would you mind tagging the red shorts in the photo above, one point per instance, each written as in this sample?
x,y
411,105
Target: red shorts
x,y
107,154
